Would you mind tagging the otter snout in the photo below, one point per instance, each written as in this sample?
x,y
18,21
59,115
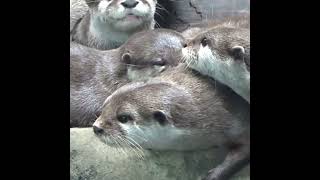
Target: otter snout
x,y
129,4
97,130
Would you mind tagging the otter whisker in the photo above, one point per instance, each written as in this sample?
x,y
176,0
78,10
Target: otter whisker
x,y
159,6
136,149
119,145
122,145
157,24
160,15
111,138
137,144
140,137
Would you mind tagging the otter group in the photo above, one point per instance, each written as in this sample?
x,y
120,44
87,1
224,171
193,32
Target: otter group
x,y
160,89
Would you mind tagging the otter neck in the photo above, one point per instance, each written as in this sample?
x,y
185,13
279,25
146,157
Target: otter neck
x,y
226,70
234,76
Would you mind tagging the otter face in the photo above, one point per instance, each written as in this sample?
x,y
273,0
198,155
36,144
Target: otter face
x,y
124,15
143,116
143,70
149,53
211,54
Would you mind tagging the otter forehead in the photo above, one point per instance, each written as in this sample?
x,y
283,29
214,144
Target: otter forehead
x,y
139,89
147,46
157,38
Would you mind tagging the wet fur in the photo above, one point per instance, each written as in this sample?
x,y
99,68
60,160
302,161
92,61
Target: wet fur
x,y
201,113
96,74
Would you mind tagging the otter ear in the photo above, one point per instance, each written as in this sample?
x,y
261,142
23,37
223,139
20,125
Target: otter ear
x,y
160,117
238,52
126,58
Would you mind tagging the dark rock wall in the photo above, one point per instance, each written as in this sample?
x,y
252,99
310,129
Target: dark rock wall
x,y
179,14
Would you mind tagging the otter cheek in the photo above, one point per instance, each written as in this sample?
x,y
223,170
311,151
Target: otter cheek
x,y
134,132
135,74
141,9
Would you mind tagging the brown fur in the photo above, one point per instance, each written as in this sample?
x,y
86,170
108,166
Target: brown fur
x,y
95,74
189,101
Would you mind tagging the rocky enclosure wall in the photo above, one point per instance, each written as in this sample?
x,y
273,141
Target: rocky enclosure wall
x,y
179,14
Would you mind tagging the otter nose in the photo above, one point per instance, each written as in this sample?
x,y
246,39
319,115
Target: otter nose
x,y
97,130
130,3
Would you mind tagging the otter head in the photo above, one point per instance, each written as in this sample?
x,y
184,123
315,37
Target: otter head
x,y
149,53
124,15
155,115
217,50
222,53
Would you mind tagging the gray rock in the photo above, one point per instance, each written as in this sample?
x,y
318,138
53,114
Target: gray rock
x,y
180,14
90,159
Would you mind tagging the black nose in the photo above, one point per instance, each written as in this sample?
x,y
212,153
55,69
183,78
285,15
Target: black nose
x,y
130,3
97,130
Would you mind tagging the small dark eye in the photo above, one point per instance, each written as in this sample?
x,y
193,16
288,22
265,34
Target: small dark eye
x,y
204,41
160,117
185,45
158,62
124,118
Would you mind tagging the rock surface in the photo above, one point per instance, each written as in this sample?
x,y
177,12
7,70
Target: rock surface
x,y
179,14
90,159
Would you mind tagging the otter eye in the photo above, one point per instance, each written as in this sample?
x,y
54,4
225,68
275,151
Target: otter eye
x,y
160,117
126,58
204,41
158,62
124,118
185,45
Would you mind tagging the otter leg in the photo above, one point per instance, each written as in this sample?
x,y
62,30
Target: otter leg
x,y
235,160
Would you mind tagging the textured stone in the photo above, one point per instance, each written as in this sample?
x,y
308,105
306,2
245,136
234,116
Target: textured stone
x,y
90,159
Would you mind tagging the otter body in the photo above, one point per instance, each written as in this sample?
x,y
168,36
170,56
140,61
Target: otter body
x,y
108,24
223,53
95,74
179,110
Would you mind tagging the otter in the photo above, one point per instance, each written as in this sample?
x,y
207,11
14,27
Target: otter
x,y
179,110
222,52
96,74
109,23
